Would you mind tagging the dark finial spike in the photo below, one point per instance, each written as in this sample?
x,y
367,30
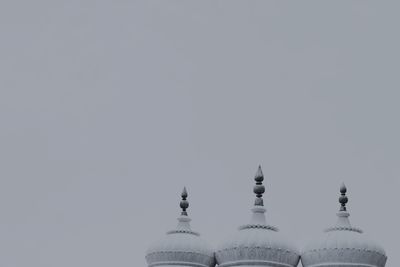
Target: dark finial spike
x,y
343,198
259,177
343,188
184,193
259,188
184,203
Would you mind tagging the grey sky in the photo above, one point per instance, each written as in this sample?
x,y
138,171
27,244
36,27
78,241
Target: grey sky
x,y
108,108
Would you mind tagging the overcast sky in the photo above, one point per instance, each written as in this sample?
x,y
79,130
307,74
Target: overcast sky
x,y
108,108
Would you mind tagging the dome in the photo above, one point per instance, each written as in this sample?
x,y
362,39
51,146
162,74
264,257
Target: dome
x,y
182,246
343,245
257,243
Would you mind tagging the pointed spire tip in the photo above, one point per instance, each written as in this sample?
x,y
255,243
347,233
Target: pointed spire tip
x,y
259,177
343,188
184,192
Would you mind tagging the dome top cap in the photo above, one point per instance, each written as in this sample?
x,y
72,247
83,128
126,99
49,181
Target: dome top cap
x,y
259,188
258,219
343,198
183,220
184,204
343,222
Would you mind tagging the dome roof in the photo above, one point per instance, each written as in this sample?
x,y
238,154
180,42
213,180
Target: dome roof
x,y
182,246
343,245
257,243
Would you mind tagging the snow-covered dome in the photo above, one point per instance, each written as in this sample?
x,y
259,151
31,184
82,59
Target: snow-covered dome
x,y
343,245
257,243
181,247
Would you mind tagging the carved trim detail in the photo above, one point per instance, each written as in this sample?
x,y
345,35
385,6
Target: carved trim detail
x,y
259,226
343,228
350,256
254,262
183,232
260,255
187,258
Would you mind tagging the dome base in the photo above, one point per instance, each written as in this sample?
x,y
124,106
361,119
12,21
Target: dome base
x,y
254,263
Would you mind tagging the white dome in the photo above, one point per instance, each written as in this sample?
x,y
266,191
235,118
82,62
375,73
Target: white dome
x,y
343,245
182,246
257,244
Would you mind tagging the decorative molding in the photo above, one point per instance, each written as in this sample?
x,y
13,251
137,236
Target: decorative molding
x,y
187,258
259,226
179,263
345,256
341,264
343,228
346,248
261,255
183,232
254,262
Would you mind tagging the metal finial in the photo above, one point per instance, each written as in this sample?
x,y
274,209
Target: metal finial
x,y
259,188
184,203
343,198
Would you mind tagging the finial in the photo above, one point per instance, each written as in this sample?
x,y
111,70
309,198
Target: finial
x,y
184,203
343,198
259,188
